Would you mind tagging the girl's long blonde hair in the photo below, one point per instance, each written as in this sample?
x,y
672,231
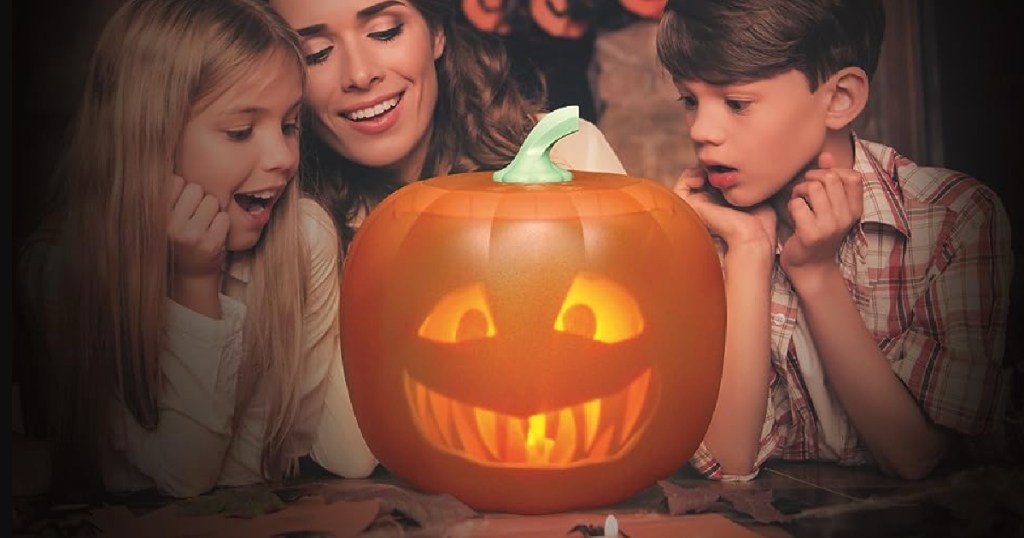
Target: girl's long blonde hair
x,y
155,60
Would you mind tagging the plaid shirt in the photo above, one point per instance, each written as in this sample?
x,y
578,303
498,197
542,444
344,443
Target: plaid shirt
x,y
929,268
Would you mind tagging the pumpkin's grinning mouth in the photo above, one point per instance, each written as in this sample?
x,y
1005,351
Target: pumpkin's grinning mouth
x,y
598,430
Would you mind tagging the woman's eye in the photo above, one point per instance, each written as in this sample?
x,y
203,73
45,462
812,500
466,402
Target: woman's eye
x,y
240,135
319,56
737,106
387,35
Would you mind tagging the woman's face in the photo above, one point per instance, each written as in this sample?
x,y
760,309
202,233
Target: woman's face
x,y
372,81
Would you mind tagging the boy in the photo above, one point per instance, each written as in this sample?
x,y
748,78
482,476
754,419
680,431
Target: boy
x,y
867,296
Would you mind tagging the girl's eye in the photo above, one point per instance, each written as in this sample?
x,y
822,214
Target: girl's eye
x,y
737,106
290,128
319,56
689,101
240,135
387,35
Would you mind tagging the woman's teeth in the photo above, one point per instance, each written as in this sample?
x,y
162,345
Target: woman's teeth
x,y
373,111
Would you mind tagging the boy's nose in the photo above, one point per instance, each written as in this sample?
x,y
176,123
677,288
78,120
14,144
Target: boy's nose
x,y
704,129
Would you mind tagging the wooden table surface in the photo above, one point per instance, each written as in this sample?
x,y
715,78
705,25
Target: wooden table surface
x,y
785,500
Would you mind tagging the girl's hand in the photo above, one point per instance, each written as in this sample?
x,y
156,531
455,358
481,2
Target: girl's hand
x,y
824,206
197,230
741,229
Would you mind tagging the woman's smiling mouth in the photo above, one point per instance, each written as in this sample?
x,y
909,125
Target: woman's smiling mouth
x,y
374,111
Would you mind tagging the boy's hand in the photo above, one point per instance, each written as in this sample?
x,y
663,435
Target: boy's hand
x,y
824,206
197,230
740,228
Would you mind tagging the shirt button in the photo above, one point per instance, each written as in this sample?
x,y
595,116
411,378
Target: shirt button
x,y
778,319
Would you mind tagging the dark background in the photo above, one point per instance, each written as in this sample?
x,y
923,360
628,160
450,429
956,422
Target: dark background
x,y
969,50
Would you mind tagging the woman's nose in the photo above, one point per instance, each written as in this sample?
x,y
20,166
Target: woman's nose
x,y
359,70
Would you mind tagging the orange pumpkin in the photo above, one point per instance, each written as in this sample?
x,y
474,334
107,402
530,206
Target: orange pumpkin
x,y
486,15
651,9
533,347
552,16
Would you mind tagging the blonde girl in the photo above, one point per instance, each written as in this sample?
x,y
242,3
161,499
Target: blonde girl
x,y
191,292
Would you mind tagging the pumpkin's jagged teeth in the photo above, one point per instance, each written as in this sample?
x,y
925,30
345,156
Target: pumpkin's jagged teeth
x,y
441,408
602,447
515,442
565,438
486,424
577,434
635,397
591,419
465,434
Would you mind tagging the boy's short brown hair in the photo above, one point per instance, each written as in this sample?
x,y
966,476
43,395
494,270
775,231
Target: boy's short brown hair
x,y
737,41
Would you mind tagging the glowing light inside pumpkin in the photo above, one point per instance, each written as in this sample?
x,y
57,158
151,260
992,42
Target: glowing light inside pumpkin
x,y
600,429
459,316
594,307
599,308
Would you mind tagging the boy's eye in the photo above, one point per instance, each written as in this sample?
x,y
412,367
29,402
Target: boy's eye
x,y
387,35
737,106
240,135
319,56
688,101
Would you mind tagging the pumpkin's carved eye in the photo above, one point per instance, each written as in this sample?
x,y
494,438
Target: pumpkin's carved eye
x,y
459,316
598,308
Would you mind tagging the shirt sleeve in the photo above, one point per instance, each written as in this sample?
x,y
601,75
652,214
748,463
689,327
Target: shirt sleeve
x,y
587,149
704,461
183,455
950,357
325,407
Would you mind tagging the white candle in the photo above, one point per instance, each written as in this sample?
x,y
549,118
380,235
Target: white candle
x,y
611,527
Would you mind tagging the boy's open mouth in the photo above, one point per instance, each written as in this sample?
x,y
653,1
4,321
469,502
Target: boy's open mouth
x,y
719,169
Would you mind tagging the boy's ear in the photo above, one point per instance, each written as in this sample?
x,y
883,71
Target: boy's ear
x,y
849,95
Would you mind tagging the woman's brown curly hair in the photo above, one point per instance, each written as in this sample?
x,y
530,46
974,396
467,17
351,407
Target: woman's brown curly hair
x,y
483,114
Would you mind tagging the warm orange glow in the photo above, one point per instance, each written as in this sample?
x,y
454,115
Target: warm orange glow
x,y
460,315
598,308
565,437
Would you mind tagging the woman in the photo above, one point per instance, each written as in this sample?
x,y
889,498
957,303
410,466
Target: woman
x,y
403,90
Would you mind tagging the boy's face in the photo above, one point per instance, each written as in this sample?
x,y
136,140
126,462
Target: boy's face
x,y
753,138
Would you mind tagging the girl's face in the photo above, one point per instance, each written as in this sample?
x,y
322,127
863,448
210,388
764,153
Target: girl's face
x,y
372,82
241,146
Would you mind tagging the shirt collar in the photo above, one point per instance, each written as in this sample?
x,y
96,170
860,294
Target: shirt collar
x,y
883,198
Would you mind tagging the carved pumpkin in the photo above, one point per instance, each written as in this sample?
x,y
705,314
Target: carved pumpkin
x,y
486,15
553,17
533,347
651,9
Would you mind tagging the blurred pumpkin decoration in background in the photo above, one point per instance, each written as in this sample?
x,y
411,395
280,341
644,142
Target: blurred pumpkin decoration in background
x,y
533,340
564,19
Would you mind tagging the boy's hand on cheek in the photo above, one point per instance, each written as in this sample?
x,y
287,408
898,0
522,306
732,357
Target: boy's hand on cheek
x,y
824,206
740,228
197,230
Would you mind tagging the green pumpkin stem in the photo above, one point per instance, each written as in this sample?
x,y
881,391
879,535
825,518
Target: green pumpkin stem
x,y
533,162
